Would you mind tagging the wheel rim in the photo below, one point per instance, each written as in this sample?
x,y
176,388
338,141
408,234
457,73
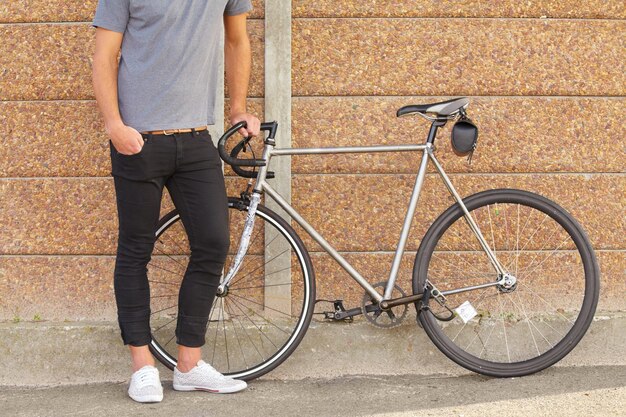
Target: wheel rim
x,y
264,314
523,325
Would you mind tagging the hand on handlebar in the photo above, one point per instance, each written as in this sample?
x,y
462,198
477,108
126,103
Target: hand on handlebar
x,y
231,158
253,124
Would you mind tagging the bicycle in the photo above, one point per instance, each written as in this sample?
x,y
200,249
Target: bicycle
x,y
505,282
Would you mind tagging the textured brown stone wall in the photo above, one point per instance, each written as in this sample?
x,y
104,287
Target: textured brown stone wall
x,y
56,195
546,81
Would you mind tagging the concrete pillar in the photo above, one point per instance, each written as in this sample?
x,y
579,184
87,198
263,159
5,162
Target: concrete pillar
x,y
278,108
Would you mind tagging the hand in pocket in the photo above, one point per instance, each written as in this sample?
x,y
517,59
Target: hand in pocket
x,y
126,140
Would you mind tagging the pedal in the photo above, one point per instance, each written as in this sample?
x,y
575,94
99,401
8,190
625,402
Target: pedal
x,y
340,313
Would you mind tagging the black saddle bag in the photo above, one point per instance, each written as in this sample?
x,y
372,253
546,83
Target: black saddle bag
x,y
464,137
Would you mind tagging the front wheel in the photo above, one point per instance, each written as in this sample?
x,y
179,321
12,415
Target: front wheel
x,y
265,312
547,304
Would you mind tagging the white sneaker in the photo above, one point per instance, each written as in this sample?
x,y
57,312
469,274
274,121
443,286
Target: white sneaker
x,y
145,385
203,377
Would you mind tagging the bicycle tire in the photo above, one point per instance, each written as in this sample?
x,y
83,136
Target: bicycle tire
x,y
553,308
302,282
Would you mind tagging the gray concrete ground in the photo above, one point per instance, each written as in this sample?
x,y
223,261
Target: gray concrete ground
x,y
560,391
340,369
37,354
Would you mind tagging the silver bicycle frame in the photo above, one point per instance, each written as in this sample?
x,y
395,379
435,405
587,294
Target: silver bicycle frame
x,y
427,149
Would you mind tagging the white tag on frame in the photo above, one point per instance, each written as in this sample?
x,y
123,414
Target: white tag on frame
x,y
466,311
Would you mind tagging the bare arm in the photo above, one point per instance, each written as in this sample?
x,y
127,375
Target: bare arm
x,y
237,61
125,139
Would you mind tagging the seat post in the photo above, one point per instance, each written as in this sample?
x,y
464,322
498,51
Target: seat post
x,y
432,134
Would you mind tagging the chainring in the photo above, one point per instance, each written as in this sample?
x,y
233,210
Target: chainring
x,y
385,319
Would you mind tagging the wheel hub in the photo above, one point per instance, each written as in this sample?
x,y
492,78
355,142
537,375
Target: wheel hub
x,y
508,283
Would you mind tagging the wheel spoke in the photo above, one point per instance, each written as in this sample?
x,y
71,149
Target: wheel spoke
x,y
260,266
163,309
261,286
248,336
493,240
184,267
262,305
243,355
166,324
535,232
527,273
217,326
547,303
175,242
155,265
170,341
506,339
225,339
163,282
240,305
266,320
528,322
267,275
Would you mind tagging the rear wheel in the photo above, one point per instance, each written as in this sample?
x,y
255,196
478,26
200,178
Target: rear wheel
x,y
543,311
266,310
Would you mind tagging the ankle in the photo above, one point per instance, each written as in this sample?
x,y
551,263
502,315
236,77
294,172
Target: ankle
x,y
188,358
185,366
138,365
140,357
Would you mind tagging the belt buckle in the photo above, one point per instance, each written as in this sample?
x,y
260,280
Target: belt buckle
x,y
174,131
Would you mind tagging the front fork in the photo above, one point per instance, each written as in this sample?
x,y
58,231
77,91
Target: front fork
x,y
244,243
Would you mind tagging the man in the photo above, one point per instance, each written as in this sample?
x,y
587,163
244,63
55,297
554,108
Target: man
x,y
156,104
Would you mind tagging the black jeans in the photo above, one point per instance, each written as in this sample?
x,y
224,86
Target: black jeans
x,y
189,165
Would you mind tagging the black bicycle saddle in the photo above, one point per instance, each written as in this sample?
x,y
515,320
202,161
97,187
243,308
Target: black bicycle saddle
x,y
444,108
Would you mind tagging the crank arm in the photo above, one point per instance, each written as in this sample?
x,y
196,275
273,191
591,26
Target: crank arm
x,y
342,315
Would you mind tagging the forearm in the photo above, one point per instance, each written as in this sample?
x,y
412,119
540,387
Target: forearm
x,y
126,140
238,62
105,87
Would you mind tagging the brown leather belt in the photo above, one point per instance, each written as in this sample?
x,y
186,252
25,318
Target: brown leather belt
x,y
174,131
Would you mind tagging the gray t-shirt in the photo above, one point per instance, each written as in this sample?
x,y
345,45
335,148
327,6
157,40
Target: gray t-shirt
x,y
168,70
